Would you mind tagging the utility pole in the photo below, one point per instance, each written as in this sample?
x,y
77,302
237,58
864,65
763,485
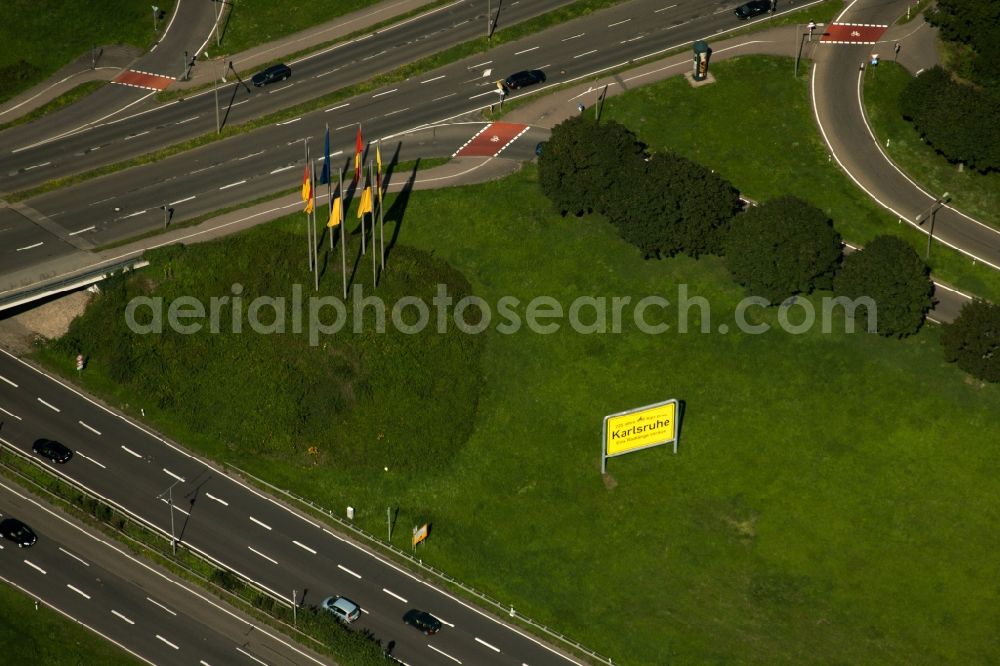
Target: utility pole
x,y
388,520
169,492
931,213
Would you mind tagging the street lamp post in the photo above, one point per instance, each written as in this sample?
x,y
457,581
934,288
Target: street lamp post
x,y
169,492
156,10
930,214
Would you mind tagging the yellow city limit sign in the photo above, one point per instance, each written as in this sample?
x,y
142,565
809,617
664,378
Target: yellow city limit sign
x,y
640,428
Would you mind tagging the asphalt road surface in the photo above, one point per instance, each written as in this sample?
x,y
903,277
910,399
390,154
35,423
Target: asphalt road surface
x,y
246,167
139,608
247,531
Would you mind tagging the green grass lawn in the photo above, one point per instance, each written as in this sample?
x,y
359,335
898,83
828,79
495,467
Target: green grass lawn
x,y
834,499
972,192
34,44
782,153
43,636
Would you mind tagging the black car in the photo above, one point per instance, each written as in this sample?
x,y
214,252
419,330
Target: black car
x,y
52,450
752,8
528,77
18,532
422,621
271,74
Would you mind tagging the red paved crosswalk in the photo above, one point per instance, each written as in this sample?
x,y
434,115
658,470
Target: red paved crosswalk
x,y
491,140
852,33
136,79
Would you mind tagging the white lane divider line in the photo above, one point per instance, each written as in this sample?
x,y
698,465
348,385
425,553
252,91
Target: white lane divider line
x,y
133,214
34,566
91,429
445,622
334,108
169,473
585,53
226,187
284,168
167,642
259,661
154,601
50,406
86,457
611,25
120,616
434,79
384,93
130,451
304,547
657,11
75,557
271,560
527,50
174,203
213,497
176,508
30,247
574,36
78,591
262,524
481,641
11,414
443,653
8,381
80,231
393,594
346,570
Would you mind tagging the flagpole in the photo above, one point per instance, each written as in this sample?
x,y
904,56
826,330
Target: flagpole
x,y
328,169
343,236
381,217
374,272
308,240
315,243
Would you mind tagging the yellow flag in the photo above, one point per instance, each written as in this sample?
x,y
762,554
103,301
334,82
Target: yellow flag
x,y
309,205
334,214
378,168
366,203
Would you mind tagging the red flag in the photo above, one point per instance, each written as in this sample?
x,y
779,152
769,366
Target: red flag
x,y
359,148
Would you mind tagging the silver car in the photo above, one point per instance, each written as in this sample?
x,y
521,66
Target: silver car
x,y
342,608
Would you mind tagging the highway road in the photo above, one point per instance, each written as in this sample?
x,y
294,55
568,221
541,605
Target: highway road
x,y
245,167
140,608
246,531
837,82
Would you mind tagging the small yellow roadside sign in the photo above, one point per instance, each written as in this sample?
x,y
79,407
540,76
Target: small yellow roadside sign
x,y
640,428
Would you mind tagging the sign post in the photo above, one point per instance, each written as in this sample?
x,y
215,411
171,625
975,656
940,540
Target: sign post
x,y
640,428
79,363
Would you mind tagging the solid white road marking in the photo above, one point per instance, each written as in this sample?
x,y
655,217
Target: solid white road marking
x,y
587,53
34,566
181,122
480,640
657,11
346,570
393,594
611,25
434,79
213,497
131,452
304,547
443,653
52,407
133,214
86,457
527,50
384,93
272,561
119,615
226,187
264,525
75,557
8,381
284,168
154,601
176,508
96,432
174,203
29,247
334,108
169,473
90,228
135,135
574,36
239,649
167,642
78,591
11,414
36,166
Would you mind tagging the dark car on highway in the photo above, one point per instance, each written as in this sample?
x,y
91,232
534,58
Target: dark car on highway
x,y
51,449
16,531
528,77
271,74
752,8
423,621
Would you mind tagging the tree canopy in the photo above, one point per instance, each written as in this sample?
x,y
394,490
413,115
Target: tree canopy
x,y
973,340
783,247
891,273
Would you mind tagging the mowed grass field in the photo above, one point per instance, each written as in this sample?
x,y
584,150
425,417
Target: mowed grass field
x,y
43,636
835,496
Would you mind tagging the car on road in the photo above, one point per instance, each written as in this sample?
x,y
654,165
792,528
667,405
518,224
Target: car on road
x,y
342,608
422,621
53,450
528,77
752,8
16,531
271,75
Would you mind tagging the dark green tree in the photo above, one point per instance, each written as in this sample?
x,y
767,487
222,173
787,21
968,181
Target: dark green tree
x,y
973,340
975,23
670,204
894,276
783,247
584,161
